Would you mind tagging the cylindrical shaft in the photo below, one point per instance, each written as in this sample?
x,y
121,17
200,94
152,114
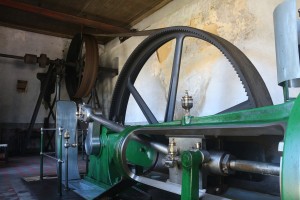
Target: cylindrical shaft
x,y
82,152
67,168
57,87
255,167
162,148
109,124
41,155
159,147
60,163
76,139
51,157
11,56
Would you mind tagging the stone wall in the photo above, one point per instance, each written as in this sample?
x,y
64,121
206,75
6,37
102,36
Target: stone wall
x,y
205,72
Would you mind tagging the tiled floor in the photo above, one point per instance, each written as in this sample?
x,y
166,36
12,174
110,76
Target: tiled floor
x,y
13,186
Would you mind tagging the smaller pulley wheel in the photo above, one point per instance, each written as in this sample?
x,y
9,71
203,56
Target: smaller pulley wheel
x,y
82,66
92,142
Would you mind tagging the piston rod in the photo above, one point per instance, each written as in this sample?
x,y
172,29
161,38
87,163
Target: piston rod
x,y
255,167
222,163
118,128
86,113
155,145
109,124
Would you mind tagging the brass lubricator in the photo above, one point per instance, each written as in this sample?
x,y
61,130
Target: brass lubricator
x,y
187,104
172,156
172,150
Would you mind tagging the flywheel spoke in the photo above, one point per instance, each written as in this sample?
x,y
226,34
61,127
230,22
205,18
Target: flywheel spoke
x,y
174,79
142,104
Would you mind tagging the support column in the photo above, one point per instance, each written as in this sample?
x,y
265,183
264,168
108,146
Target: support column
x,y
190,174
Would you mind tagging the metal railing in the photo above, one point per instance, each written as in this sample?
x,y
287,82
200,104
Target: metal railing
x,y
59,154
59,159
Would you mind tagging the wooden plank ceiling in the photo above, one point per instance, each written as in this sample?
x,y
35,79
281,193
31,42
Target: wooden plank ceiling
x,y
65,18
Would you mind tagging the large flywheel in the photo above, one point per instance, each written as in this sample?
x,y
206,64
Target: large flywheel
x,y
82,67
254,85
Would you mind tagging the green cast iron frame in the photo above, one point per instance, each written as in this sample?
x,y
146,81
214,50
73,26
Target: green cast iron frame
x,y
105,169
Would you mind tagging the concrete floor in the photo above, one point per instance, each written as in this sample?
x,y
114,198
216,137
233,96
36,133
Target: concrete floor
x,y
15,184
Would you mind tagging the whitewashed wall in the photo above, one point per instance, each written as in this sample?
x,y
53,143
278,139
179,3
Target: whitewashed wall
x,y
205,72
18,107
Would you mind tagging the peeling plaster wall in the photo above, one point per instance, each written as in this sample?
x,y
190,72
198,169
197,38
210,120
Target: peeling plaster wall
x,y
205,72
18,107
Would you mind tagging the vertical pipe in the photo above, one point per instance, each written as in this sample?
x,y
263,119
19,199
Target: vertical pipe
x,y
67,166
82,152
93,98
57,85
76,138
60,162
41,155
286,91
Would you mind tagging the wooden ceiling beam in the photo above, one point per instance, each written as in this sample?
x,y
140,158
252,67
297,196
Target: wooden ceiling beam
x,y
63,17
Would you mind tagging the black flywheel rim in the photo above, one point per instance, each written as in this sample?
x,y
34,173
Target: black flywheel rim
x,y
255,88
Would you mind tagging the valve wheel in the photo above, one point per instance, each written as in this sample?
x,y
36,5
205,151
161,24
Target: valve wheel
x,y
255,88
82,66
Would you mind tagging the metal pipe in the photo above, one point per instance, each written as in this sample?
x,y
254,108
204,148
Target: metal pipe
x,y
285,88
255,167
155,145
11,56
49,129
88,115
159,147
57,86
49,153
67,167
60,163
76,140
52,157
41,155
109,124
82,152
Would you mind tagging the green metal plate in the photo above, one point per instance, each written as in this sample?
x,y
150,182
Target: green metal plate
x,y
290,173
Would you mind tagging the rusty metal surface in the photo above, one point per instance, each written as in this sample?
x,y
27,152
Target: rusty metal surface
x,y
90,70
81,77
